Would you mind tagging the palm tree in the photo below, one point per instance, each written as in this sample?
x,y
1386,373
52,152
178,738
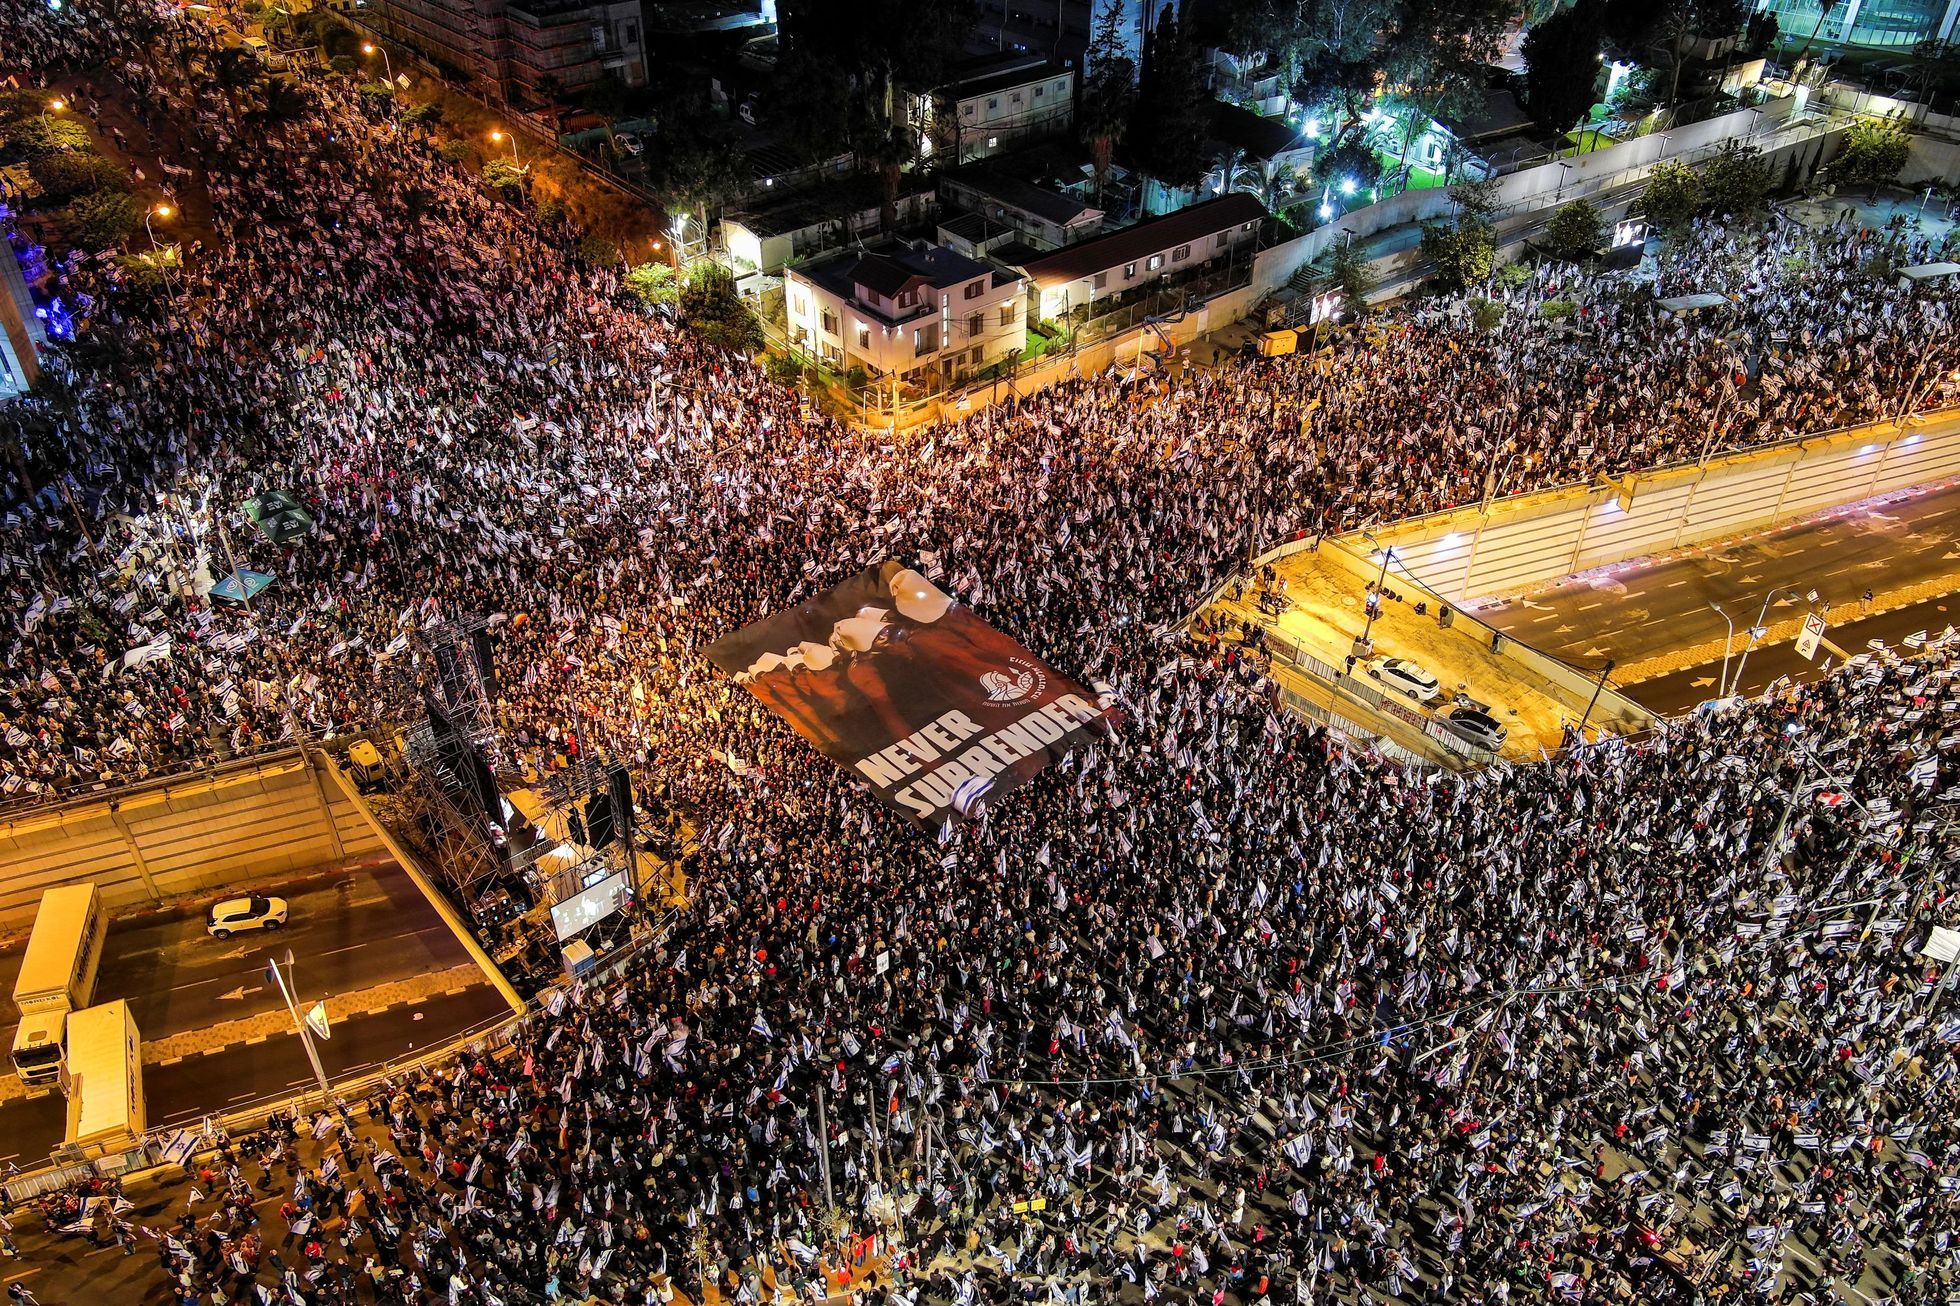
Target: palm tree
x,y
1824,9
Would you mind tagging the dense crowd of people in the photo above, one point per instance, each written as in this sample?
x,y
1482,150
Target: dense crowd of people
x,y
1215,1009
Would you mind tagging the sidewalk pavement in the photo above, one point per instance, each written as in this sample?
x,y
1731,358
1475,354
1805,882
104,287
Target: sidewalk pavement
x,y
1325,614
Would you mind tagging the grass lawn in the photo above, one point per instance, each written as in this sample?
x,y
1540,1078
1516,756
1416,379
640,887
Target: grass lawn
x,y
1592,138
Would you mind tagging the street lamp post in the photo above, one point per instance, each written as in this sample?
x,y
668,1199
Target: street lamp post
x,y
1756,632
1380,580
499,135
279,977
1722,689
162,211
370,48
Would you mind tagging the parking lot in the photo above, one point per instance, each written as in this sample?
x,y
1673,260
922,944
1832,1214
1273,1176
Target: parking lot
x,y
214,1026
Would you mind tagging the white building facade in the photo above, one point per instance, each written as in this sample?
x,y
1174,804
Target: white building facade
x,y
931,317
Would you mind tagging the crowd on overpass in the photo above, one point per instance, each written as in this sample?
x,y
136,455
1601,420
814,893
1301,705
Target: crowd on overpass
x,y
1260,1018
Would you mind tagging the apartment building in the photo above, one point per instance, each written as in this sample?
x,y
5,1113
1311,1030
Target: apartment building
x,y
927,316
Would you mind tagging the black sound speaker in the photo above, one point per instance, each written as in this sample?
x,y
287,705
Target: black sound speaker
x,y
449,670
620,784
599,824
486,788
486,664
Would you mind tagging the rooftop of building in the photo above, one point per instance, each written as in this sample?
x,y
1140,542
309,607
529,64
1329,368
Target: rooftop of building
x,y
1260,137
1496,114
1037,70
1051,206
795,210
890,268
1099,253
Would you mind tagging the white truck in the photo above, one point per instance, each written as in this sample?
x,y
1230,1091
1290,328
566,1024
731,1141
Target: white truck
x,y
57,976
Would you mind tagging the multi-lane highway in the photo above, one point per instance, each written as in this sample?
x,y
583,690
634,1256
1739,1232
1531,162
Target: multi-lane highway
x,y
351,933
1646,612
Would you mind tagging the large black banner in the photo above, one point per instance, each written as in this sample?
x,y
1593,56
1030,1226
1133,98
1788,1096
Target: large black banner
x,y
935,711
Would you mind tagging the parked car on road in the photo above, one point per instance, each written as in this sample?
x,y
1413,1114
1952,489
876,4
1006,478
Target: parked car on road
x,y
1408,677
1479,728
236,915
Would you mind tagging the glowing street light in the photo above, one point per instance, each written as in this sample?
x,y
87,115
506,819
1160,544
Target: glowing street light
x,y
370,48
163,211
1348,185
499,135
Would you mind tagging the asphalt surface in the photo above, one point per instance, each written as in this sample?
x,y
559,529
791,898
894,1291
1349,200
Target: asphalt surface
x,y
1640,610
249,1072
351,932
1676,693
229,1080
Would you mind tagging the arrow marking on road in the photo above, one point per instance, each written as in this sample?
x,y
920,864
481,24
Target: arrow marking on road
x,y
1700,682
238,994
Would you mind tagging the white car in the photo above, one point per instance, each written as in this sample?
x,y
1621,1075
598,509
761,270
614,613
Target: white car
x,y
1407,676
1480,728
234,915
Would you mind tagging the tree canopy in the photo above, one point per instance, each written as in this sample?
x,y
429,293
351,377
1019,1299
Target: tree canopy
x,y
1561,60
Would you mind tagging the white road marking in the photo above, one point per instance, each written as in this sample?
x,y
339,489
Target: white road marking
x,y
1588,607
1676,584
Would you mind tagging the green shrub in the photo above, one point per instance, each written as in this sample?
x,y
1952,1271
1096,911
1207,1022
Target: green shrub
x,y
63,176
99,221
600,251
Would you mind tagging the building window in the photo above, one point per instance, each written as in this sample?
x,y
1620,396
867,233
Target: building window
x,y
993,102
1007,315
1017,97
1246,227
864,336
829,323
1102,280
1156,261
1037,92
906,299
976,323
1129,271
974,288
799,306
1224,239
993,142
1181,253
925,339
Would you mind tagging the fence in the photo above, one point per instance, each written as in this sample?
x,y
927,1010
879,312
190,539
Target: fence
x,y
1295,655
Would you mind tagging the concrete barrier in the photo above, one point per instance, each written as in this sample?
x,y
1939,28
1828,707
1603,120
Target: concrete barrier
x,y
258,820
1612,713
1466,554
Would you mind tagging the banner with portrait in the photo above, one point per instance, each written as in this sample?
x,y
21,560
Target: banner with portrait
x,y
932,709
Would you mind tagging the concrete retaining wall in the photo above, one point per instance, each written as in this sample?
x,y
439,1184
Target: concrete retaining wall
x,y
1529,540
1565,685
254,821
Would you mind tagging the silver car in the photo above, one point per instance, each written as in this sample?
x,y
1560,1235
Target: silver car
x,y
1479,728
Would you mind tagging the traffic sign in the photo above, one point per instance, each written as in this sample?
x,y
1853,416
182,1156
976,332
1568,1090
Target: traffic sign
x,y
1813,631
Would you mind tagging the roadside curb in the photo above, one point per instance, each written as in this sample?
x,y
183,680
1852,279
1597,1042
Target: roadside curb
x,y
1780,632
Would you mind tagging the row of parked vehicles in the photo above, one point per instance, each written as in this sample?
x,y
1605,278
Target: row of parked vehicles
x,y
1465,718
